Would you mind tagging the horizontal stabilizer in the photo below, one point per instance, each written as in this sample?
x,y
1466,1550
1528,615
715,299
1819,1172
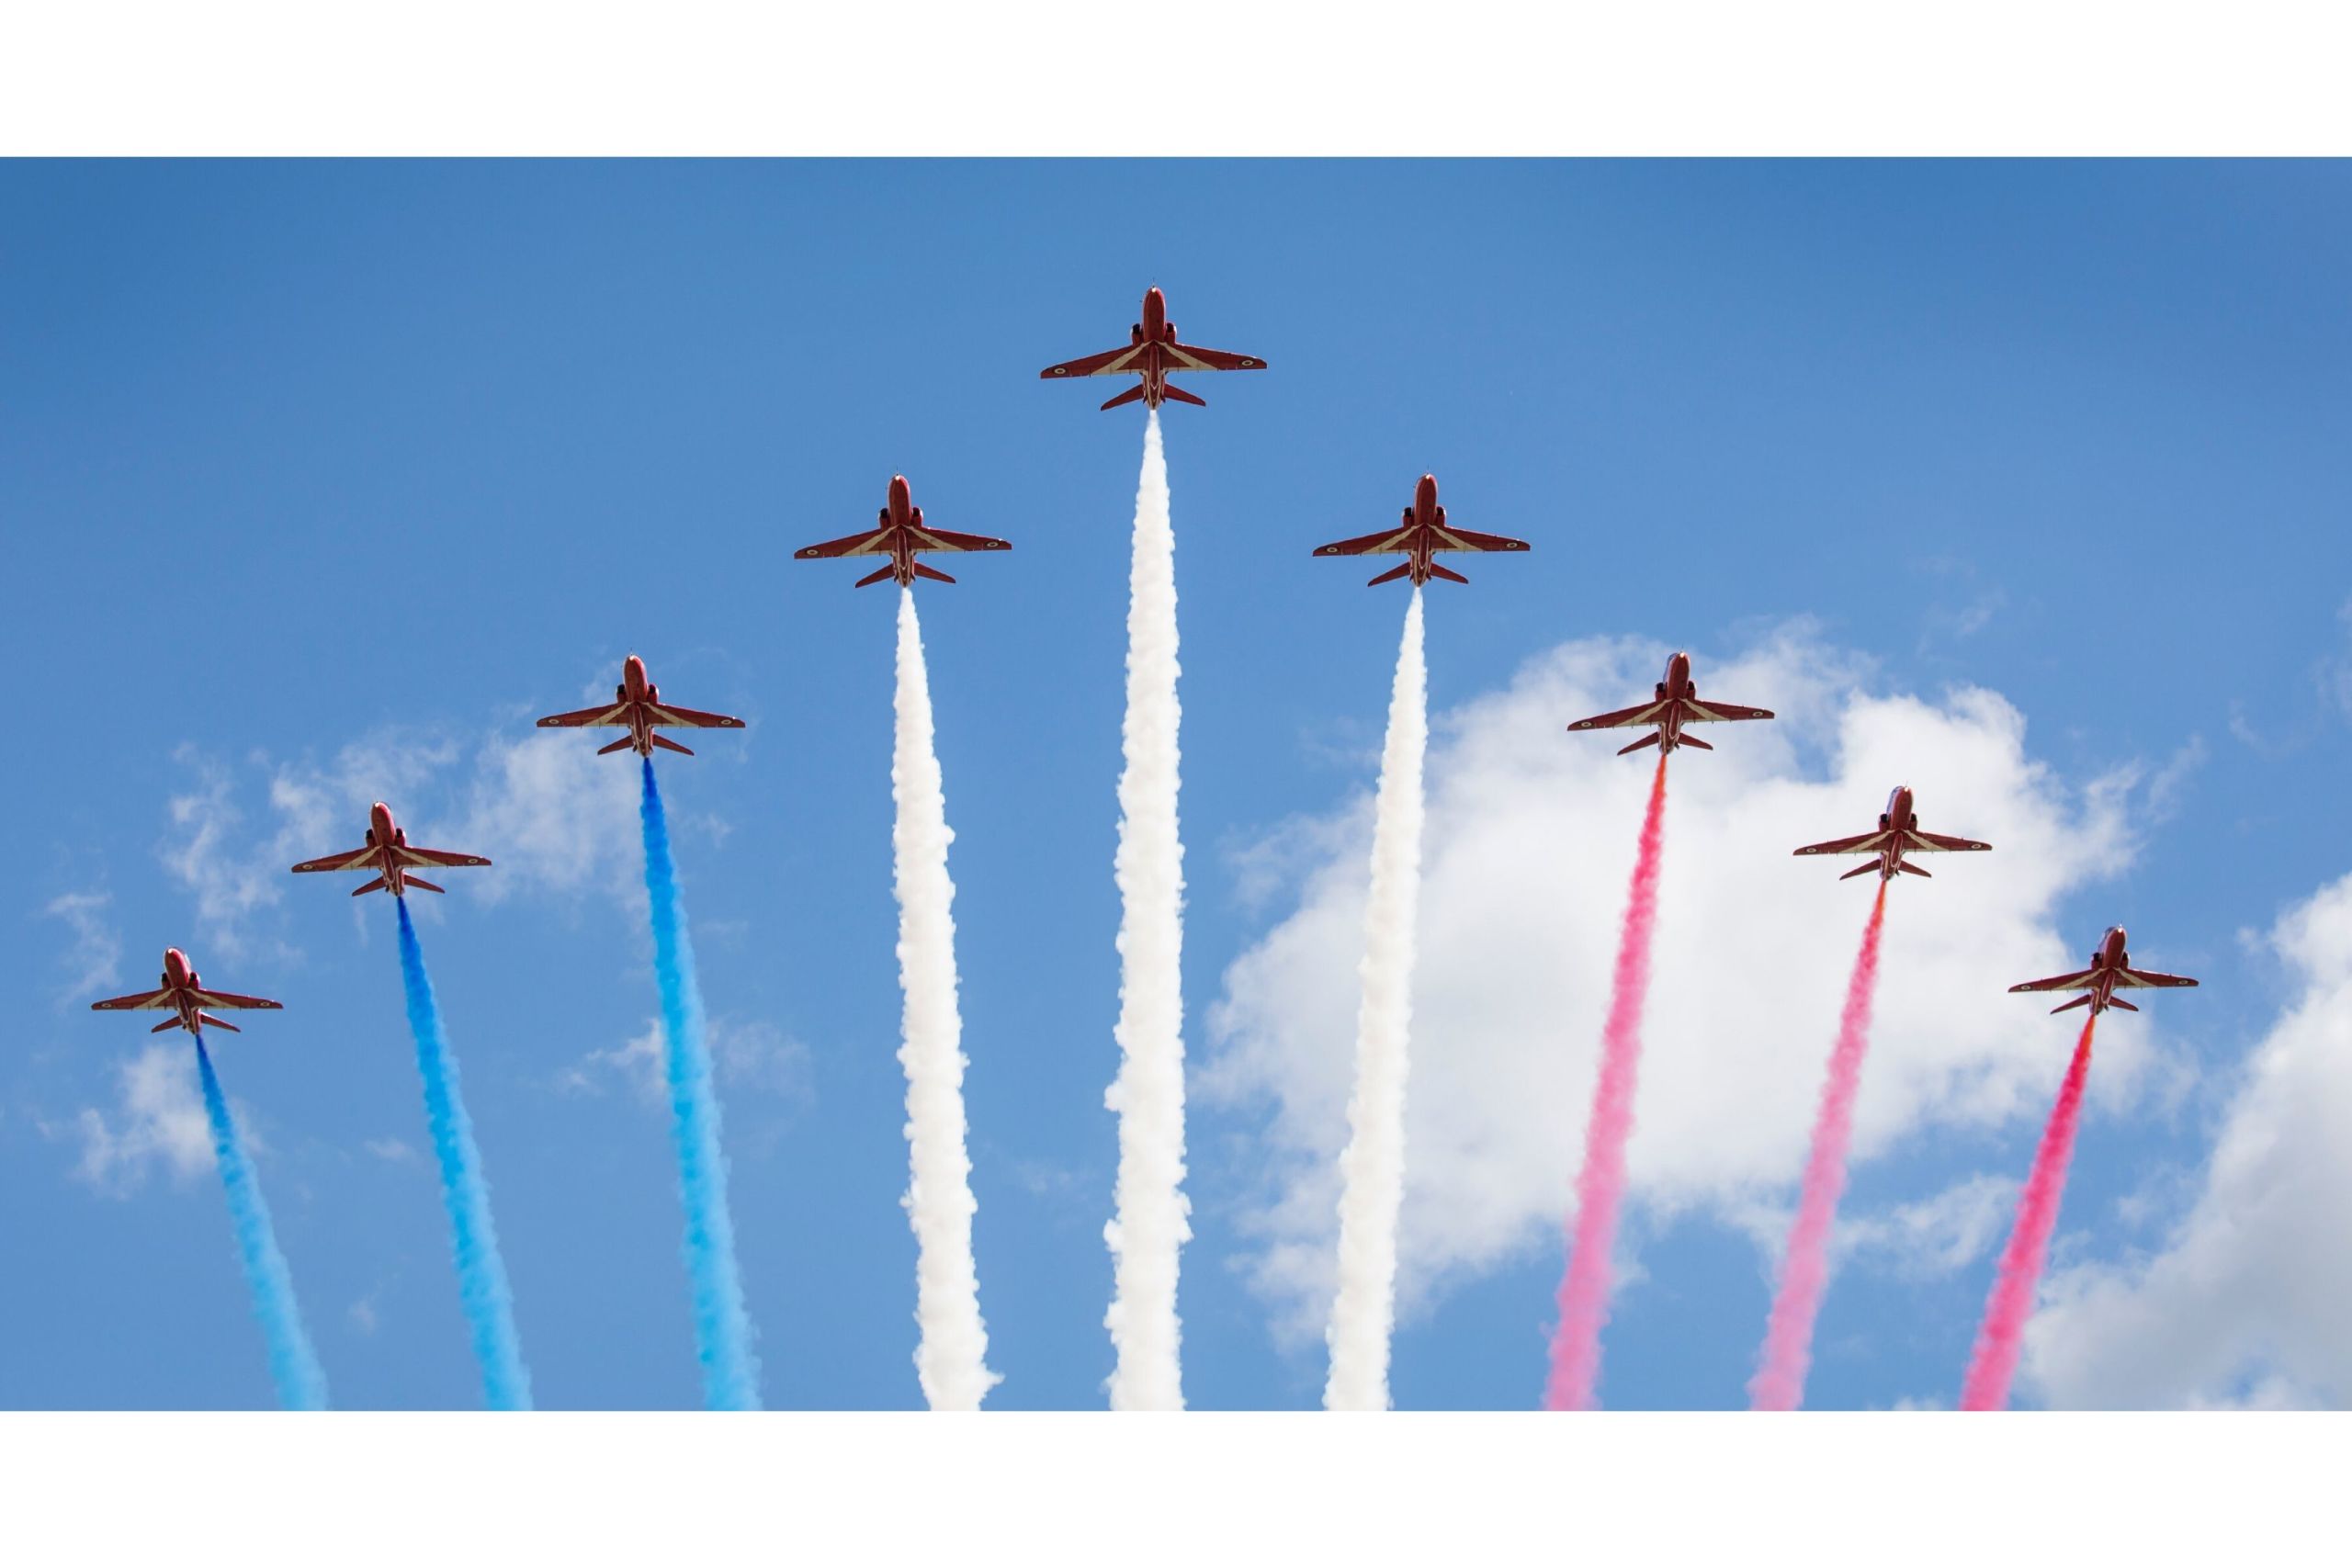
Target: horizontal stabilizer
x,y
172,1022
1391,575
374,886
922,571
420,882
669,745
1694,740
1865,867
1447,572
623,744
1175,393
1131,395
1649,739
1906,865
2120,1002
210,1021
2082,1001
871,578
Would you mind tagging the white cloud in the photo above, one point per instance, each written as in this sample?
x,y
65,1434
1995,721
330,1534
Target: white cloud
x,y
1529,842
554,817
158,1121
2245,1301
392,1151
95,958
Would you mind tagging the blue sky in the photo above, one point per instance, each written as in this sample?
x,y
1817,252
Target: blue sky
x,y
328,478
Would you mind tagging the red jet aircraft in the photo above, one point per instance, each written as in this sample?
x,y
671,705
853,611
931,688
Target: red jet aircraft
x,y
184,996
1421,537
2110,971
637,706
389,853
902,535
1676,704
1152,353
1898,835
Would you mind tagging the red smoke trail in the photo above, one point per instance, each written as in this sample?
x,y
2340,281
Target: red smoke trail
x,y
1779,1382
1998,1340
1584,1288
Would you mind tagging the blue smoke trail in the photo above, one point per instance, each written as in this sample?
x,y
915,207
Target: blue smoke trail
x,y
301,1385
730,1374
481,1273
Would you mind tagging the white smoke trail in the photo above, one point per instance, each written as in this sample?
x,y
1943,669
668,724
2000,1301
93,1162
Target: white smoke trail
x,y
1371,1170
952,1359
1149,1227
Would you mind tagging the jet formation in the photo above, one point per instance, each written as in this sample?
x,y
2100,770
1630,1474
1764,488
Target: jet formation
x,y
1153,353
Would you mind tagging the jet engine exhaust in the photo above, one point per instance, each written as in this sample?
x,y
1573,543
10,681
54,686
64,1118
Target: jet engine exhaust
x,y
1372,1169
1584,1285
481,1273
952,1359
293,1366
722,1323
1149,1226
2001,1335
1779,1382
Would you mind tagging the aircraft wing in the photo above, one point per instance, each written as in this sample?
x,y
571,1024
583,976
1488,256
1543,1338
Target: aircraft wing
x,y
349,860
948,539
1919,841
1469,539
872,542
1111,362
409,854
231,999
1709,712
614,712
1188,358
2080,980
692,718
2140,977
1643,716
1387,542
1861,843
136,999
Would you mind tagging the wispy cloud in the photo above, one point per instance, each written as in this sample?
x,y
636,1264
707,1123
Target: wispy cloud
x,y
751,1055
157,1123
94,962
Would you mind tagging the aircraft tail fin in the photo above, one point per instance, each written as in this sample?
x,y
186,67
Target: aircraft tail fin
x,y
413,880
2082,1001
1694,740
1175,393
374,886
668,745
1132,394
1649,739
1905,866
2120,1002
922,571
1391,575
871,578
623,744
1446,572
171,1022
210,1021
1867,866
